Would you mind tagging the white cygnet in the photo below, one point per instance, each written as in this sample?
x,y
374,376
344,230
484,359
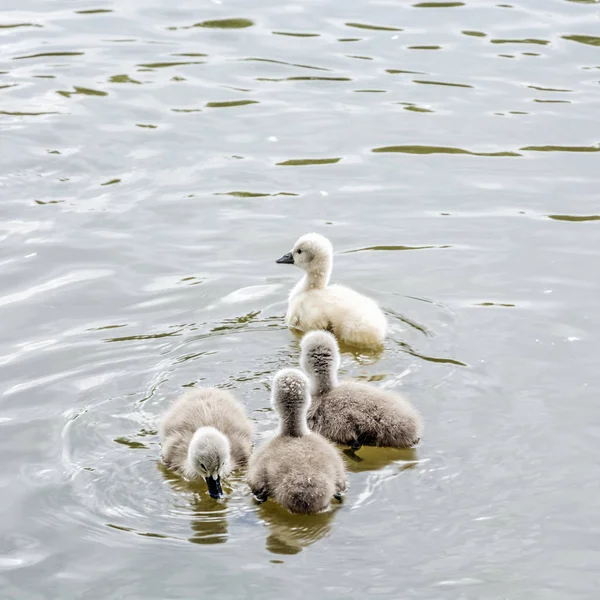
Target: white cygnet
x,y
206,434
314,304
298,468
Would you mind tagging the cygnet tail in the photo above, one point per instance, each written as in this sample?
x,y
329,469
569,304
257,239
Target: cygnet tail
x,y
304,495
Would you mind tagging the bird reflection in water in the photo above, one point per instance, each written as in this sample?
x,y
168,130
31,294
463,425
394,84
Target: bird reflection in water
x,y
289,533
369,458
209,517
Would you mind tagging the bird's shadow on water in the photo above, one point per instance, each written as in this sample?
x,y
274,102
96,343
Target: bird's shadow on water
x,y
289,533
208,516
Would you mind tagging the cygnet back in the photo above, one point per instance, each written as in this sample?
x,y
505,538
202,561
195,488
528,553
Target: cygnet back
x,y
297,468
354,413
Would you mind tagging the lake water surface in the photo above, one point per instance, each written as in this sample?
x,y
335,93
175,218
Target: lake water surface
x,y
157,157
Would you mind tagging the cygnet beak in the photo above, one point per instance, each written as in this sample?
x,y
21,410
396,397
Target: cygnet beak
x,y
214,487
286,259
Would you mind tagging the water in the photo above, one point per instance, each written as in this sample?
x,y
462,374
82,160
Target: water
x,y
157,157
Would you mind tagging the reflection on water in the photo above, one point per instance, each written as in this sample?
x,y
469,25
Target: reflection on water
x,y
208,517
157,156
375,459
288,533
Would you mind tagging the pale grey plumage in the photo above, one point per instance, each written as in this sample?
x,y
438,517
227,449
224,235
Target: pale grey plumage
x,y
299,469
353,413
206,431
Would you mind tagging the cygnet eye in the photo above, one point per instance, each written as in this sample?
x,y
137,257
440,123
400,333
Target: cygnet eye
x,y
202,466
299,251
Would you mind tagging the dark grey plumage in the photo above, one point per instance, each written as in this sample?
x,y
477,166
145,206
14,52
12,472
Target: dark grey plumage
x,y
352,413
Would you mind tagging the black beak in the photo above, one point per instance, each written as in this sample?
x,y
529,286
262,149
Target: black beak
x,y
286,259
214,487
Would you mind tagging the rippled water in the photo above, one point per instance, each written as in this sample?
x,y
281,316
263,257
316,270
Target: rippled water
x,y
157,157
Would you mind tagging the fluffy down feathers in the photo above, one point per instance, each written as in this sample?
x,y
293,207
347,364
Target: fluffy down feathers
x,y
298,469
314,304
204,407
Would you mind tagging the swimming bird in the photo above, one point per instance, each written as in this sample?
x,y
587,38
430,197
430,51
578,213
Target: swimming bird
x,y
314,304
206,434
349,412
298,468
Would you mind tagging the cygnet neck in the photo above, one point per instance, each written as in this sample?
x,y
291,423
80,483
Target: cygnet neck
x,y
293,421
319,274
323,380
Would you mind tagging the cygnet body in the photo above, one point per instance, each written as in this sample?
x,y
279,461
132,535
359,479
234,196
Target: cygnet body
x,y
206,434
353,413
298,468
314,304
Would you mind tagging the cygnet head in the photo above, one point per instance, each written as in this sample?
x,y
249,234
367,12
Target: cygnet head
x,y
320,358
314,254
291,400
208,457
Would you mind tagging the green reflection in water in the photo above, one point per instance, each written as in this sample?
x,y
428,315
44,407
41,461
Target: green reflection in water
x,y
575,218
290,534
521,41
239,194
545,89
393,248
230,104
302,162
13,25
503,304
150,336
474,33
225,24
300,35
369,458
551,101
311,78
243,194
162,65
460,85
590,40
93,11
400,71
282,62
133,444
81,90
561,149
438,4
417,109
132,530
208,517
44,54
123,79
14,113
413,149
372,27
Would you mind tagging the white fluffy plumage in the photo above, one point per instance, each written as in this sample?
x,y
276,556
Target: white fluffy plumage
x,y
313,304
